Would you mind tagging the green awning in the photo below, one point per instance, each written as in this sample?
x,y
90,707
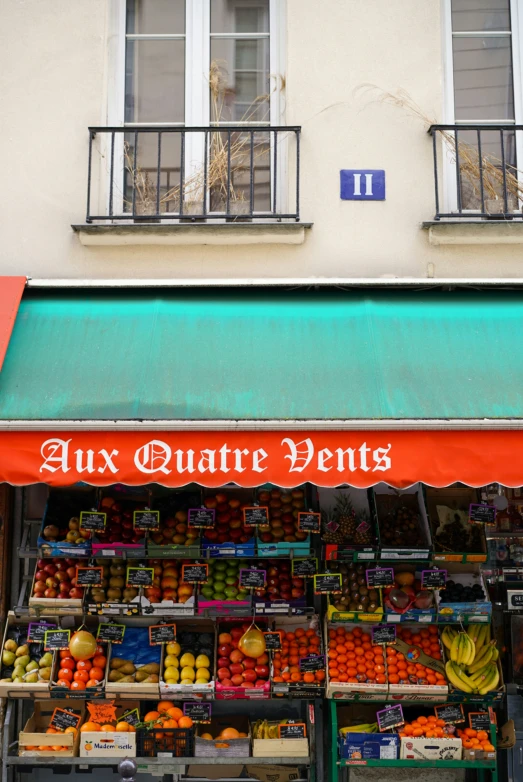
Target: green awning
x,y
265,354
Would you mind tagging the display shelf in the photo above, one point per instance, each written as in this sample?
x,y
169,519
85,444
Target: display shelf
x,y
473,765
216,761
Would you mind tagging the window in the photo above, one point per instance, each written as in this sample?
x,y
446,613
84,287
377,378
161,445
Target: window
x,y
200,63
485,89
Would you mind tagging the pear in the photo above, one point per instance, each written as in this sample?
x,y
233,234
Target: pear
x,y
45,674
151,668
31,678
23,661
152,679
32,666
18,671
8,658
127,669
115,676
10,645
140,676
127,679
18,680
22,651
7,679
46,660
116,663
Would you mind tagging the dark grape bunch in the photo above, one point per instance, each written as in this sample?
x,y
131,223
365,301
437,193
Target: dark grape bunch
x,y
457,593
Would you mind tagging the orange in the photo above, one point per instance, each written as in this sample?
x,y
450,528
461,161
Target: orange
x,y
164,706
232,733
99,661
81,676
151,716
72,730
185,722
320,676
394,679
78,685
52,730
417,732
68,662
482,735
65,673
90,727
470,733
96,673
488,747
84,665
174,712
108,728
92,683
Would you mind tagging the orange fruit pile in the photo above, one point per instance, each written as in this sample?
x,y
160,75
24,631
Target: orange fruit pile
x,y
476,739
168,716
425,639
78,675
425,727
95,727
286,662
403,671
354,658
54,747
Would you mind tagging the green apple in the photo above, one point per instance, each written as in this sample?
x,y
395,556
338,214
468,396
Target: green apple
x,y
219,596
207,591
220,566
231,580
230,591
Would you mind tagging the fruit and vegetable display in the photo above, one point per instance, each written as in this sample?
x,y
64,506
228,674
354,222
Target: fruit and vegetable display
x,y
343,525
284,506
227,734
472,659
356,595
455,592
61,522
70,533
407,593
168,584
189,660
23,662
454,532
268,729
400,521
127,672
113,588
174,530
353,658
297,643
281,584
229,526
56,579
82,665
223,581
242,660
119,527
59,733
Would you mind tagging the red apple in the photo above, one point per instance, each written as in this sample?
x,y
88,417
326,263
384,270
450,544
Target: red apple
x,y
249,663
223,662
236,656
236,668
237,632
40,575
61,575
260,683
61,564
224,650
237,679
224,638
262,671
250,675
226,682
40,588
41,563
51,582
50,569
263,659
223,673
246,684
50,593
76,593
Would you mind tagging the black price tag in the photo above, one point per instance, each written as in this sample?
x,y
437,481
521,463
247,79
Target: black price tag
x,y
452,713
293,730
479,720
390,718
89,576
92,520
62,719
433,579
380,577
146,519
198,712
327,583
204,518
132,717
384,634
140,576
304,567
110,632
257,516
36,632
312,662
195,574
56,639
253,579
272,641
162,634
516,600
309,521
482,514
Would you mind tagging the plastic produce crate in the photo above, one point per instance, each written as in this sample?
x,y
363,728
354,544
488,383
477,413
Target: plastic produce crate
x,y
177,742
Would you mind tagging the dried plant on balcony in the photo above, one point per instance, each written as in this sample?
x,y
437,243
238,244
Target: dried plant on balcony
x,y
472,167
225,159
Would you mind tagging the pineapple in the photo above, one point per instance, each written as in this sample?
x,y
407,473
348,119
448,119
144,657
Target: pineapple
x,y
340,524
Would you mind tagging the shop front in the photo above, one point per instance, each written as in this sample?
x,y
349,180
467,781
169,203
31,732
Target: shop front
x,y
260,532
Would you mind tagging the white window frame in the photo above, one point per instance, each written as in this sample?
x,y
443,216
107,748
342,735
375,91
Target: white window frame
x,y
197,63
449,191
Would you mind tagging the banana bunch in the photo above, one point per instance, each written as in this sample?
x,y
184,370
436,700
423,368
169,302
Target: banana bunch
x,y
266,730
367,727
472,664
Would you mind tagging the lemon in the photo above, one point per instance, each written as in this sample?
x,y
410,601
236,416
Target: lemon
x,y
174,648
187,673
187,660
171,660
203,673
171,673
202,661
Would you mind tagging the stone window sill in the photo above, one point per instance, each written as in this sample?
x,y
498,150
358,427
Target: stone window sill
x,y
474,232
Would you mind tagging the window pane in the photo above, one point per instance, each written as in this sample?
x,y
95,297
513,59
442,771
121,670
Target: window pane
x,y
491,170
480,15
143,171
483,88
239,80
239,16
155,16
154,81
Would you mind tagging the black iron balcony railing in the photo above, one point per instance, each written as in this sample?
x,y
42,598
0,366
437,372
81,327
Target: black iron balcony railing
x,y
157,173
476,171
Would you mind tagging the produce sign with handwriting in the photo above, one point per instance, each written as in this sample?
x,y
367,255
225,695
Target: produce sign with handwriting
x,y
36,631
304,567
379,577
110,632
293,730
162,634
272,641
390,718
309,522
195,574
89,576
452,713
62,719
327,583
198,712
56,639
140,576
256,516
146,519
482,514
102,712
93,520
201,518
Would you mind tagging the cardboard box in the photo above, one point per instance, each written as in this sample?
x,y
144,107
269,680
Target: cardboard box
x,y
273,773
478,611
369,746
223,748
430,749
356,691
215,772
34,733
478,754
102,744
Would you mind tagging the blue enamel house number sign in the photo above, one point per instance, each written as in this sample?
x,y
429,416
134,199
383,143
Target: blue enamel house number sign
x,y
362,184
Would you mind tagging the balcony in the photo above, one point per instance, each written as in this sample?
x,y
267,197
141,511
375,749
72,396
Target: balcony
x,y
159,179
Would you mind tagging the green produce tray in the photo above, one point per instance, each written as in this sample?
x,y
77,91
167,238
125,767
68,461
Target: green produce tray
x,y
173,551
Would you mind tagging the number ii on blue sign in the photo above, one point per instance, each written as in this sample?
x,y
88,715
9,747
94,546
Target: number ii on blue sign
x,y
362,185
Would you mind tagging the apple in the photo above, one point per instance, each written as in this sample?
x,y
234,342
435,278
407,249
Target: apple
x,y
249,662
224,650
50,569
40,575
223,662
260,683
236,668
226,682
39,588
51,582
223,673
250,676
76,593
237,680
262,671
236,633
224,638
236,656
50,593
263,659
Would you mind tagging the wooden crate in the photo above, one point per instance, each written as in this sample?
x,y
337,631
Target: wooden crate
x,y
38,689
280,748
34,733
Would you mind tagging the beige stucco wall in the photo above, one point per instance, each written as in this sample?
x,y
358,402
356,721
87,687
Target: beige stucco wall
x,y
54,71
